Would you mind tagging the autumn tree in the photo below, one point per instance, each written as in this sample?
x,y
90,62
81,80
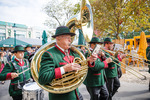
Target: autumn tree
x,y
113,17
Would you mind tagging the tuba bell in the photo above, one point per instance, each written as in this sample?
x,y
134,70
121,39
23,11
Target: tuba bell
x,y
83,21
70,80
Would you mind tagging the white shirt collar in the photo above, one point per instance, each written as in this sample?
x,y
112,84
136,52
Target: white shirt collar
x,y
60,47
20,60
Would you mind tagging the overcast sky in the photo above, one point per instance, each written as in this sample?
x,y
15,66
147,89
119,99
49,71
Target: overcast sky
x,y
28,12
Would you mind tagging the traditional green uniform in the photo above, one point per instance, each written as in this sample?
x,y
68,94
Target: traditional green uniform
x,y
113,82
51,62
15,66
27,54
95,81
95,76
111,71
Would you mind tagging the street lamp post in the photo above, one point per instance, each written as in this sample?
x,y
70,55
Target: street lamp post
x,y
14,34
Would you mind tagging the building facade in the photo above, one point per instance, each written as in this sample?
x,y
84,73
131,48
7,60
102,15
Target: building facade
x,y
22,31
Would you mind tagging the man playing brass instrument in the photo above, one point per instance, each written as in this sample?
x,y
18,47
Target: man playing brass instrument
x,y
58,60
148,57
111,72
95,82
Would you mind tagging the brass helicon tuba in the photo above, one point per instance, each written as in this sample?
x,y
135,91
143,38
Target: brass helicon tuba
x,y
71,80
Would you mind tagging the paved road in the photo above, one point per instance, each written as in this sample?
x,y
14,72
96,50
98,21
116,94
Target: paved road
x,y
127,91
132,91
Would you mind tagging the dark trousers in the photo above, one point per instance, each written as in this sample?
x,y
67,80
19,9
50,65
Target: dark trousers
x,y
98,93
18,97
112,85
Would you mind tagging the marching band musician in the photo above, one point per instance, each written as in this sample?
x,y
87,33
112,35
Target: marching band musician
x,y
120,52
113,82
148,57
95,82
11,70
29,52
58,60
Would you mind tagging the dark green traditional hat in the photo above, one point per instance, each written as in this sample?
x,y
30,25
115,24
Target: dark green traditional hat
x,y
108,40
148,40
29,45
95,40
63,30
18,48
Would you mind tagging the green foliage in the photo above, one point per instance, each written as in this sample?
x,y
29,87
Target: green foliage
x,y
77,8
116,17
113,18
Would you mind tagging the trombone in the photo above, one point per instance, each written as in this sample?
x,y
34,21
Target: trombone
x,y
140,57
137,57
99,47
119,48
111,52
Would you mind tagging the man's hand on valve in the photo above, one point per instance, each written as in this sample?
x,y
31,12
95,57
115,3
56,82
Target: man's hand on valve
x,y
72,67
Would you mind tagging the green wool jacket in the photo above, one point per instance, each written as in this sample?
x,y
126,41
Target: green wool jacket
x,y
6,75
148,56
51,62
95,76
111,71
